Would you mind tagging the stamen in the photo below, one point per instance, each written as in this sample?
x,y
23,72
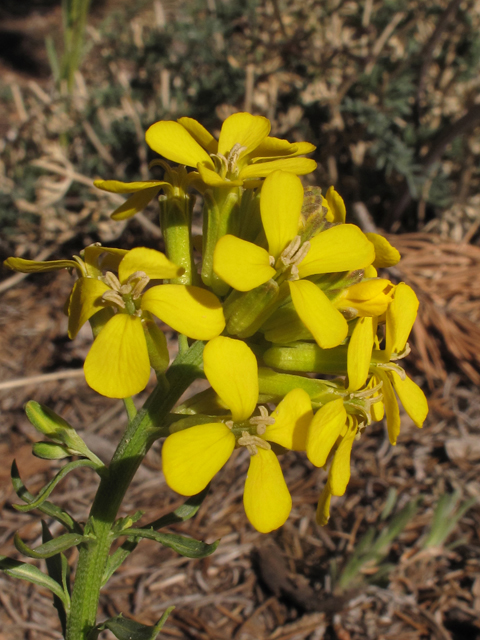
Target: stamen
x,y
125,289
112,281
402,354
391,366
229,424
142,281
290,250
115,297
301,253
233,156
252,443
367,392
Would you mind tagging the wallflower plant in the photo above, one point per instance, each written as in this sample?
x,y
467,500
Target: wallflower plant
x,y
286,318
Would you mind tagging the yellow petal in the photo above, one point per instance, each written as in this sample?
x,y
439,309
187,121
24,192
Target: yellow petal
x,y
359,353
190,458
117,365
412,397
326,324
115,186
212,179
370,272
171,140
244,129
299,166
85,301
401,315
34,266
134,204
385,254
200,134
281,201
266,499
98,258
323,507
336,205
153,263
190,310
377,410
339,474
369,298
278,148
241,264
292,419
232,370
325,428
391,405
340,248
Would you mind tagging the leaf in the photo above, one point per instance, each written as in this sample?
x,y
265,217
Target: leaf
x,y
125,629
30,573
47,490
58,569
445,518
184,512
188,547
50,548
47,508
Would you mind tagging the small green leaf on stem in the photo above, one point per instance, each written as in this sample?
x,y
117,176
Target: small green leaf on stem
x,y
188,547
30,573
50,548
125,629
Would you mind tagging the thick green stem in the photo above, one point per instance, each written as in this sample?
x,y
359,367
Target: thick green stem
x,y
136,441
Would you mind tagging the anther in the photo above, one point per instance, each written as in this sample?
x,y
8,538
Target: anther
x,y
112,281
113,296
290,250
252,443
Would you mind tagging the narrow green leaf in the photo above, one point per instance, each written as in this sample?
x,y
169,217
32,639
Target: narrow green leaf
x,y
50,548
47,490
55,568
184,512
47,508
445,518
187,547
30,573
125,629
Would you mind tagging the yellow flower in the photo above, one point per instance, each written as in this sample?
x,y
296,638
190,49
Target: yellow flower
x,y
330,437
175,185
244,265
400,317
193,456
118,364
92,260
243,152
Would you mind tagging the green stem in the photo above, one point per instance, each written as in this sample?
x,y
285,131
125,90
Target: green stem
x,y
136,441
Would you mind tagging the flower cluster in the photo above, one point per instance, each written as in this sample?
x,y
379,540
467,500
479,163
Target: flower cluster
x,y
303,338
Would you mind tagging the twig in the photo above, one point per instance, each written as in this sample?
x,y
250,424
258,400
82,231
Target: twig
x,y
465,124
45,377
